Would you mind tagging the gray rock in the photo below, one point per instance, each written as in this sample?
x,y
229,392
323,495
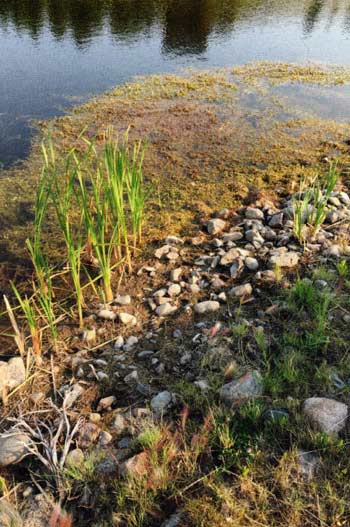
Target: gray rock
x,y
251,263
165,309
12,373
161,402
162,251
326,415
173,521
308,464
119,342
333,200
175,274
236,268
75,457
247,386
130,342
123,300
215,226
334,251
233,236
127,319
107,314
276,221
288,259
173,240
72,394
13,447
241,290
344,198
131,378
119,424
208,306
9,517
332,216
174,290
106,402
253,213
229,257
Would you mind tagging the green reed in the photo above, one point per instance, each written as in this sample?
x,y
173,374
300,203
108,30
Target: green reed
x,y
29,310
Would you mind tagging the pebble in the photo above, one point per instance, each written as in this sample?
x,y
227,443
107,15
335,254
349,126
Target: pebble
x,y
161,402
173,240
175,274
119,342
253,213
326,415
136,466
106,403
131,378
12,373
233,236
241,290
165,309
119,424
75,457
215,226
127,319
13,447
174,290
251,263
130,342
123,300
208,306
288,259
247,386
107,314
276,221
174,520
71,395
308,464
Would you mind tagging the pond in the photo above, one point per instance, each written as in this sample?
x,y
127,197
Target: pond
x,y
56,53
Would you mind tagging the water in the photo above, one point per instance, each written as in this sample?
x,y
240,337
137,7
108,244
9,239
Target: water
x,y
55,53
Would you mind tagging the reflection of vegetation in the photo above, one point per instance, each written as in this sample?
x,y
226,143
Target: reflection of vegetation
x,y
186,23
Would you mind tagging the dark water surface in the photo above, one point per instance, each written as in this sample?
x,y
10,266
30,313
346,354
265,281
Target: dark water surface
x,y
55,53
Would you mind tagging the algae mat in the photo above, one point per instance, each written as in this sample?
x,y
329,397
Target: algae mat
x,y
213,137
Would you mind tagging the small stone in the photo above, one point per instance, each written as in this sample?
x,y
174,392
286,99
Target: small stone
x,y
194,289
107,314
322,284
12,373
123,300
173,521
251,263
241,290
173,240
172,256
247,386
174,290
106,403
308,464
119,342
88,434
215,226
127,319
72,394
89,336
334,251
332,217
131,378
326,415
276,221
175,274
165,309
162,251
130,342
119,424
185,358
344,198
217,283
333,200
288,259
13,447
105,438
136,466
233,236
161,402
236,268
95,417
209,306
75,457
202,384
253,213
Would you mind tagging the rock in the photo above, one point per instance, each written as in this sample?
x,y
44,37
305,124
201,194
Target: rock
x,y
247,386
202,384
119,424
89,336
161,402
175,274
276,221
172,255
332,216
254,214
174,520
130,342
251,263
308,464
326,415
209,306
333,250
107,467
241,290
215,226
9,517
106,403
131,378
229,257
333,200
107,314
173,240
236,268
119,342
233,236
13,447
123,300
165,309
217,283
162,251
72,394
136,466
174,290
344,198
105,438
75,457
95,417
127,319
12,373
288,259
88,434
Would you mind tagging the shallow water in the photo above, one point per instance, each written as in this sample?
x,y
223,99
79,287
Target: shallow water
x,y
54,53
